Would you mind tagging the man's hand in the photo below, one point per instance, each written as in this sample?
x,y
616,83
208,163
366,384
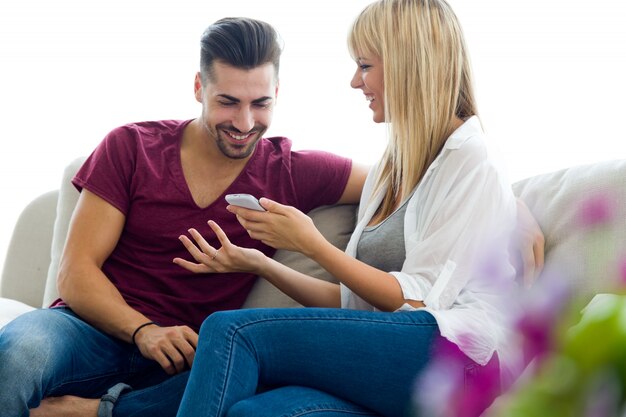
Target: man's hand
x,y
174,348
529,245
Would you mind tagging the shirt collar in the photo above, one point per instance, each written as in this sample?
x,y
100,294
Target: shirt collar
x,y
469,128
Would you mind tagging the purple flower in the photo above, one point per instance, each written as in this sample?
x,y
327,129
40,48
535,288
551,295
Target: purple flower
x,y
596,210
542,308
449,388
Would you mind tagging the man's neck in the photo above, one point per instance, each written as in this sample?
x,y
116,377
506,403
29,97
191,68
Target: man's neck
x,y
208,172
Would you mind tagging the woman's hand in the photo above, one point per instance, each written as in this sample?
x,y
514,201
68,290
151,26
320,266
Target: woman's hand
x,y
281,227
228,258
529,245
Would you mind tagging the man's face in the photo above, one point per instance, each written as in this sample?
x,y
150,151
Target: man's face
x,y
237,106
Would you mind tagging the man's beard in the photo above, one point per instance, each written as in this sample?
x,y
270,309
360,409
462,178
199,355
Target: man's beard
x,y
229,149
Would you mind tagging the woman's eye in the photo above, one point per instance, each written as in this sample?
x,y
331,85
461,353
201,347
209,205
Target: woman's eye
x,y
364,67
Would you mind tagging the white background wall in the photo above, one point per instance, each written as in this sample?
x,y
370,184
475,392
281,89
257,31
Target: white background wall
x,y
550,78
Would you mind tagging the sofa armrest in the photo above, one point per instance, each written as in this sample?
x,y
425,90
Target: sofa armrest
x,y
28,256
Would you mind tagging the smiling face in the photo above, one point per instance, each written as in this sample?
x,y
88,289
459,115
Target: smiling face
x,y
369,78
237,106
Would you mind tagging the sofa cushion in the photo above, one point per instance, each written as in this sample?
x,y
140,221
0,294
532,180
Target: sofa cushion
x,y
10,309
336,223
68,197
581,211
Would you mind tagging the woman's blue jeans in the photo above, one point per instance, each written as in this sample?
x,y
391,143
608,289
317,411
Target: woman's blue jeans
x,y
52,352
314,362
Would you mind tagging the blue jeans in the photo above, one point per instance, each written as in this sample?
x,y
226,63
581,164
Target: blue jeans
x,y
52,352
318,362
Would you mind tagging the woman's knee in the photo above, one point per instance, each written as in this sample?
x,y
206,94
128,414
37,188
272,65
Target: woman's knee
x,y
226,322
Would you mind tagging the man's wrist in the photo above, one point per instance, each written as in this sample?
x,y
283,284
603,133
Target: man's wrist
x,y
141,326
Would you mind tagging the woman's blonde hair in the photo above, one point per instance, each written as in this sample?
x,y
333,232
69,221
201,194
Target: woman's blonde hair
x,y
427,84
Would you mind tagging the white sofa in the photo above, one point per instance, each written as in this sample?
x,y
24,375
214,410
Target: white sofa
x,y
586,257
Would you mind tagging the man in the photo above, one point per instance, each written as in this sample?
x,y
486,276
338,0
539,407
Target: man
x,y
128,317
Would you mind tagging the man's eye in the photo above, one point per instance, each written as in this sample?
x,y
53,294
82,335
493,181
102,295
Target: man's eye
x,y
226,103
262,105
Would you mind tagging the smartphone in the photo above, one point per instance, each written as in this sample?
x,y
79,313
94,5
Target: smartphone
x,y
244,200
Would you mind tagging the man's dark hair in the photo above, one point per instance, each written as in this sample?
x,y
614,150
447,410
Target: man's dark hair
x,y
239,42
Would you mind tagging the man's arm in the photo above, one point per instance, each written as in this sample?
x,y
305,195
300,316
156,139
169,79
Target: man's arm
x,y
354,186
94,231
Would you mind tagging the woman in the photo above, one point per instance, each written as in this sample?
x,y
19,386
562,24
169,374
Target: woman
x,y
414,275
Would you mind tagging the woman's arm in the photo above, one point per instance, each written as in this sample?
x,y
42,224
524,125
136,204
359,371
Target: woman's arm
x,y
288,228
378,288
529,245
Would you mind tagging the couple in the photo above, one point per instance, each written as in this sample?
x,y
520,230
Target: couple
x,y
126,328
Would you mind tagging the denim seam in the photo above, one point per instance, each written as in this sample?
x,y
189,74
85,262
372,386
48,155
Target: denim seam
x,y
333,319
132,362
228,367
132,369
85,379
339,410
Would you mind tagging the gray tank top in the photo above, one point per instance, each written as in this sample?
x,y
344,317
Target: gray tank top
x,y
382,245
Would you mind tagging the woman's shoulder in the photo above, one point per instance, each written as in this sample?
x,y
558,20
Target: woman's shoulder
x,y
470,147
468,137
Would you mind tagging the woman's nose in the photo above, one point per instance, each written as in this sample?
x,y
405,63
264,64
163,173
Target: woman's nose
x,y
356,81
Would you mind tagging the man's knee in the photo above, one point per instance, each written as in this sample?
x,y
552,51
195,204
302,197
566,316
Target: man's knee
x,y
28,343
26,352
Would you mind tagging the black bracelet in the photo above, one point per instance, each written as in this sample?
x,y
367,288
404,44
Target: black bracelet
x,y
141,327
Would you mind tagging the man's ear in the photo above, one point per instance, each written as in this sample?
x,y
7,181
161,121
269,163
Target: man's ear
x,y
276,91
197,87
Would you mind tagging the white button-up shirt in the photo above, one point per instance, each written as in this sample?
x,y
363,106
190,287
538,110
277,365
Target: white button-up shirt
x,y
456,230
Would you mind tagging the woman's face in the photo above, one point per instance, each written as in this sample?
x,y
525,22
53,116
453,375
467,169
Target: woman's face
x,y
369,78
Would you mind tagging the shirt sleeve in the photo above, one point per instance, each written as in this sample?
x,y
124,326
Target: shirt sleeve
x,y
108,171
457,239
319,178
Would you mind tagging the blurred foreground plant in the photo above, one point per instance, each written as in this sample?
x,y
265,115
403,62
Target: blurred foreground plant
x,y
581,372
576,365
584,376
